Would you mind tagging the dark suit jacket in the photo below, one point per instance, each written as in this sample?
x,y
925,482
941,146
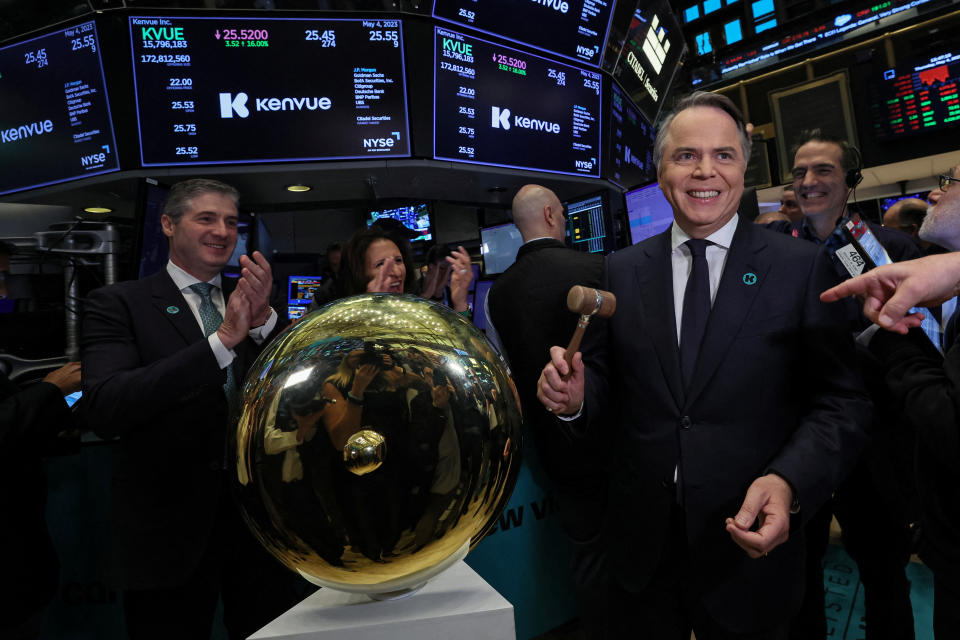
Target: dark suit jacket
x,y
927,386
29,419
528,306
150,377
773,390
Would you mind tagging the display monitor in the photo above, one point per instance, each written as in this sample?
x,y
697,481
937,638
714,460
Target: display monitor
x,y
415,217
630,152
214,90
651,54
500,106
587,224
499,246
55,122
300,293
917,98
154,246
886,203
648,212
575,29
479,303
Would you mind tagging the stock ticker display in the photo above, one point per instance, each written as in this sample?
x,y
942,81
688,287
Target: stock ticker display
x,y
55,120
242,90
630,151
576,29
922,98
499,106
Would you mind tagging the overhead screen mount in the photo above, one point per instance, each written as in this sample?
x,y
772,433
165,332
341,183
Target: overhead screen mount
x,y
55,120
500,106
208,90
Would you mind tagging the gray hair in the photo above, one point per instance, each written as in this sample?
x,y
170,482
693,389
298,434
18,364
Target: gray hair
x,y
183,192
702,99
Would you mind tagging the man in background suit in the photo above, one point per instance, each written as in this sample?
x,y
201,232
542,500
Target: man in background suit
x,y
157,355
926,383
528,312
724,392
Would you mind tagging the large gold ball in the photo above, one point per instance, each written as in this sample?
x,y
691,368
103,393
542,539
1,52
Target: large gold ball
x,y
377,441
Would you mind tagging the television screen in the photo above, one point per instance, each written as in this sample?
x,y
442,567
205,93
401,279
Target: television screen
x,y
648,212
479,300
499,246
415,217
295,311
241,90
301,289
651,54
630,152
499,106
886,203
575,29
154,247
55,122
587,224
916,98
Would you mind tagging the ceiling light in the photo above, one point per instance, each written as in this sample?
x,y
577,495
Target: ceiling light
x,y
299,188
98,210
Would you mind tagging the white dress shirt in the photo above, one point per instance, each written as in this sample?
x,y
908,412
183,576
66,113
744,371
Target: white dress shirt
x,y
682,261
224,356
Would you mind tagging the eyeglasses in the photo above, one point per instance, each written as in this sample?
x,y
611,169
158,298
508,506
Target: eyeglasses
x,y
945,182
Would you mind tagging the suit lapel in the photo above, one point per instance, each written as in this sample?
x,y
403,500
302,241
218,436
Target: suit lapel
x,y
655,279
171,304
743,276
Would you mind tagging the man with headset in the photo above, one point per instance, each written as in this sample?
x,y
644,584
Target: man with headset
x,y
872,504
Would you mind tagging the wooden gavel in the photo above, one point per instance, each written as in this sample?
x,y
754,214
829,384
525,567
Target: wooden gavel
x,y
588,303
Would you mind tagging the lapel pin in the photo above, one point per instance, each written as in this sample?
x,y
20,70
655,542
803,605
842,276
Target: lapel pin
x,y
172,309
749,278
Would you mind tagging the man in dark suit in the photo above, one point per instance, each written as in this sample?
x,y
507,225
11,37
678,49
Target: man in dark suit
x,y
874,505
926,383
541,277
162,357
723,391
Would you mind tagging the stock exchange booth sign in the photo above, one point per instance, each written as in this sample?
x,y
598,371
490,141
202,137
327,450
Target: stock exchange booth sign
x,y
237,90
54,114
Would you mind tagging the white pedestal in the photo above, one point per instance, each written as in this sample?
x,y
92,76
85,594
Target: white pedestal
x,y
455,604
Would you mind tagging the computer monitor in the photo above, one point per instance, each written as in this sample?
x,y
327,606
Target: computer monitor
x,y
479,300
415,217
648,212
499,246
300,293
587,224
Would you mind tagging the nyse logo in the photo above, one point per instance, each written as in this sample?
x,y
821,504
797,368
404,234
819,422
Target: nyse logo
x,y
378,143
500,119
230,104
95,158
584,165
655,45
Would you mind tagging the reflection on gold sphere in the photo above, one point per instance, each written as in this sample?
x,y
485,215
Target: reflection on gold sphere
x,y
378,440
364,452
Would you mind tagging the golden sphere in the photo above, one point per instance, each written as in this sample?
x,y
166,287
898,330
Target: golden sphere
x,y
377,441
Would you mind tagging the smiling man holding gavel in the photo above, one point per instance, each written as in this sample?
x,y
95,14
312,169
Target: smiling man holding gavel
x,y
724,393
